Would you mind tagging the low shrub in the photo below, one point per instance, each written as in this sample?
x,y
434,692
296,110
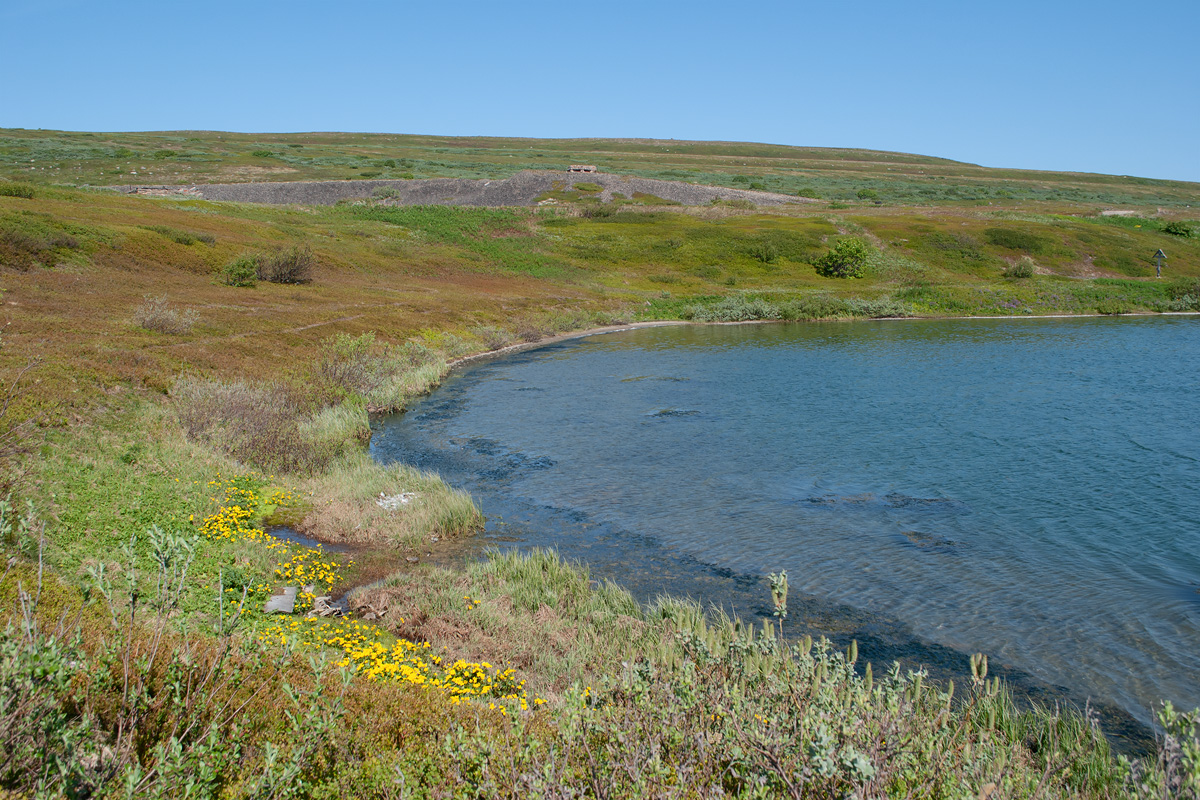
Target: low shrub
x,y
154,314
262,154
262,424
182,237
587,186
294,265
736,308
1113,306
22,190
847,259
1014,239
385,193
816,306
1184,228
242,271
529,332
1022,268
600,211
879,308
382,375
867,194
1184,294
764,250
493,338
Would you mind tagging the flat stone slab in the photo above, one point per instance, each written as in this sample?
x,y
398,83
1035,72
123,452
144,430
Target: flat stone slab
x,y
282,603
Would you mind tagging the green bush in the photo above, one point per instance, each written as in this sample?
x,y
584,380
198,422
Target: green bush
x,y
1112,306
737,308
867,194
1180,228
847,259
241,271
23,190
816,306
764,250
262,154
1023,268
587,186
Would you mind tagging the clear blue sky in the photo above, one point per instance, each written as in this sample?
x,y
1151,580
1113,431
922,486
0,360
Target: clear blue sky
x,y
1098,86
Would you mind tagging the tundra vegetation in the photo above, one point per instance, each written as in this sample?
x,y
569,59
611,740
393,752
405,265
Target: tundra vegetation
x,y
178,373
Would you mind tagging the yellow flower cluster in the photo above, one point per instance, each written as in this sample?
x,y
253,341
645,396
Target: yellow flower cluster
x,y
240,506
308,566
363,647
364,650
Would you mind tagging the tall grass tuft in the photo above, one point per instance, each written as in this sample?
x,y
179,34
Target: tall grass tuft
x,y
415,505
154,314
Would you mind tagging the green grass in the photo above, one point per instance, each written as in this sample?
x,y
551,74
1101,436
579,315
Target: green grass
x,y
39,157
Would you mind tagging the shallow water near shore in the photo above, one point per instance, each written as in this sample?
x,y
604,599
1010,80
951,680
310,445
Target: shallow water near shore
x,y
1025,488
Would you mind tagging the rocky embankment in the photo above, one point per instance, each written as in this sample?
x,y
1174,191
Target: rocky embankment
x,y
523,189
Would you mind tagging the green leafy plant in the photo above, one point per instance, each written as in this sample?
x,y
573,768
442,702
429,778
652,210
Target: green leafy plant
x,y
242,271
23,190
764,250
847,259
1180,228
1023,268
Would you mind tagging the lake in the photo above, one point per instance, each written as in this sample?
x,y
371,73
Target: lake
x,y
1029,489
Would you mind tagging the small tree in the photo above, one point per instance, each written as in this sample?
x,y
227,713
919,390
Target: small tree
x,y
847,259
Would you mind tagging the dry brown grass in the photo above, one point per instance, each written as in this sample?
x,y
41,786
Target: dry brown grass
x,y
155,314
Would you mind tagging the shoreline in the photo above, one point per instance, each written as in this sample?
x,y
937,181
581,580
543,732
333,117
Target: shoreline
x,y
562,337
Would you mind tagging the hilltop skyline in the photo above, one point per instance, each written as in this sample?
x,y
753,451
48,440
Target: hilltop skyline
x,y
1066,87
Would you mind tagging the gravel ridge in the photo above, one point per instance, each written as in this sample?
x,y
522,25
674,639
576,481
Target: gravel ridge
x,y
522,189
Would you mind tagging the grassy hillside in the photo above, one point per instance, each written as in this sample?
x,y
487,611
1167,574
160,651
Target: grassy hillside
x,y
177,157
178,372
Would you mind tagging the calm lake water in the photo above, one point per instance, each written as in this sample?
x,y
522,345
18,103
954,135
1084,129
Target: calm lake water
x,y
1025,488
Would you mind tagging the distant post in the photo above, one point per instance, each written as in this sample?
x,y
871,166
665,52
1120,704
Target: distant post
x,y
1158,259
